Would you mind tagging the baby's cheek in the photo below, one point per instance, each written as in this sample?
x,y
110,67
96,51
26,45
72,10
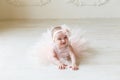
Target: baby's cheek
x,y
59,43
67,41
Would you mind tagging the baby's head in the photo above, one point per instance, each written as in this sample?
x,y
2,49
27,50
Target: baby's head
x,y
60,35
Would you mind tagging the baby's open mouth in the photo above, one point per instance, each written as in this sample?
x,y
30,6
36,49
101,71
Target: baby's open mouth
x,y
63,43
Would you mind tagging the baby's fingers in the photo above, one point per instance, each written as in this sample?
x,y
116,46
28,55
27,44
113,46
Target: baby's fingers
x,y
75,68
62,67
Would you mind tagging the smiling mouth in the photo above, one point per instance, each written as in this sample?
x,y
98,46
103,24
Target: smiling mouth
x,y
63,43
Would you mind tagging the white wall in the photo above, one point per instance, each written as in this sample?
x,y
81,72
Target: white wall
x,y
57,9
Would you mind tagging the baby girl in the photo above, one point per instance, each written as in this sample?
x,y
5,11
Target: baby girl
x,y
60,46
63,54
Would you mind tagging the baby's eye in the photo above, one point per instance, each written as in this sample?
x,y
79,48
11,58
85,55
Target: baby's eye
x,y
65,37
59,39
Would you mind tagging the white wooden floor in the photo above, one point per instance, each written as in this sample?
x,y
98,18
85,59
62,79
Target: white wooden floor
x,y
103,62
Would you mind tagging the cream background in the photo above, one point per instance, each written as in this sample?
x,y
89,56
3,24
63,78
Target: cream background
x,y
56,9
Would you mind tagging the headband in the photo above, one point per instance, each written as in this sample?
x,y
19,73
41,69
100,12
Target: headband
x,y
58,32
63,29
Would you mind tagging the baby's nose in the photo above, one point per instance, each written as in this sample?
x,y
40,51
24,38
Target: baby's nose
x,y
63,41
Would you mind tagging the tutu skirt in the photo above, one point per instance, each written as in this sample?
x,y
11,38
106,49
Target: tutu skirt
x,y
40,51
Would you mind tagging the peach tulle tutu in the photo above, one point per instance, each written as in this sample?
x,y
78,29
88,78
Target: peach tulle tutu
x,y
39,53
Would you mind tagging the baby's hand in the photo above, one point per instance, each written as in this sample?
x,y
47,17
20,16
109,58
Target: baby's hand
x,y
62,66
74,67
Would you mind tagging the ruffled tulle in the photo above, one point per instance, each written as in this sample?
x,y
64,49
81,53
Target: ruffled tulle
x,y
78,42
40,53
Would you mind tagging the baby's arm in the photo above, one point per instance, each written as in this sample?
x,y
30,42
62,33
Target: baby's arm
x,y
56,61
73,59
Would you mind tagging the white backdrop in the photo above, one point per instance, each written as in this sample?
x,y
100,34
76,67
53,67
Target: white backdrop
x,y
59,9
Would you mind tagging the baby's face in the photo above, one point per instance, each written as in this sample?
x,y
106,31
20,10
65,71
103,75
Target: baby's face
x,y
61,40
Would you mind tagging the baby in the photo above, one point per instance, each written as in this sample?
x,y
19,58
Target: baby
x,y
61,46
62,52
